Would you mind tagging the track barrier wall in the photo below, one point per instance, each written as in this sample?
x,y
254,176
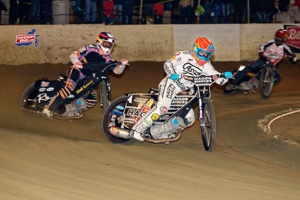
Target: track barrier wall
x,y
37,44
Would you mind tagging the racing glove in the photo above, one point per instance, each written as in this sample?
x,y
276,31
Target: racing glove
x,y
120,68
227,75
293,58
124,62
174,77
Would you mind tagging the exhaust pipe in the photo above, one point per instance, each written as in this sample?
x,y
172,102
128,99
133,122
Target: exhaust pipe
x,y
120,132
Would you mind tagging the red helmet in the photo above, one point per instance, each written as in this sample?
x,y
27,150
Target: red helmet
x,y
281,36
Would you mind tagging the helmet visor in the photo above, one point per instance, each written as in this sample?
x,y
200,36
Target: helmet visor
x,y
106,44
202,54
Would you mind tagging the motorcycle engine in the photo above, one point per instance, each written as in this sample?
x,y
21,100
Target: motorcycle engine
x,y
249,85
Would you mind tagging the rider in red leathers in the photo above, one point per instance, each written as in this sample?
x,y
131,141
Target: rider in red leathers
x,y
93,53
273,51
184,63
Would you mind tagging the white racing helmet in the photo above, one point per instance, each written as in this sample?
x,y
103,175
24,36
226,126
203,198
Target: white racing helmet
x,y
106,42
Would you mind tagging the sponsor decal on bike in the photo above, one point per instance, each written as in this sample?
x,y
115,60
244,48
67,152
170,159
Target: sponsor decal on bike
x,y
132,112
180,100
205,80
145,109
154,116
137,119
84,86
44,84
26,37
148,122
163,109
43,97
50,89
140,100
150,103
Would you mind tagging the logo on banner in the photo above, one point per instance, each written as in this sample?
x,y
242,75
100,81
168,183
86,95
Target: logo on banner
x,y
294,36
26,37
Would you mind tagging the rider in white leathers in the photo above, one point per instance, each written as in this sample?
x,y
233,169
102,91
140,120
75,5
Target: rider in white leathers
x,y
181,66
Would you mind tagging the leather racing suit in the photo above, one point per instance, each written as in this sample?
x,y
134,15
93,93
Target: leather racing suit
x,y
80,60
271,52
183,64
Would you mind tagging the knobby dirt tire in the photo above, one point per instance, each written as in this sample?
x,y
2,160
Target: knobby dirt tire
x,y
208,125
24,104
266,82
106,120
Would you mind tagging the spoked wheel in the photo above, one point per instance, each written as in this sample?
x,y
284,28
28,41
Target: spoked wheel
x,y
104,95
111,118
266,82
208,124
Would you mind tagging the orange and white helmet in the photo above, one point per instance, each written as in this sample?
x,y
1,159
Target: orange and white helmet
x,y
281,36
106,42
203,49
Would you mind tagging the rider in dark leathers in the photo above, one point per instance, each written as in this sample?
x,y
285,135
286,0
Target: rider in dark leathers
x,y
272,51
93,53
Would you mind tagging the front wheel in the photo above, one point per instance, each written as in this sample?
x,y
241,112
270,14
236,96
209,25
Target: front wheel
x,y
266,82
110,118
208,124
104,95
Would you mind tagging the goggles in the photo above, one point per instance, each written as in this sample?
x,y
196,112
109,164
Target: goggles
x,y
202,54
107,44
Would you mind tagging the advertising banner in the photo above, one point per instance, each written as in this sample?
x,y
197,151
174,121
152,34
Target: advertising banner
x,y
294,37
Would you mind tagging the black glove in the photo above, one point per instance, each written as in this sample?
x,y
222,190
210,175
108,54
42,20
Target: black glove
x,y
293,58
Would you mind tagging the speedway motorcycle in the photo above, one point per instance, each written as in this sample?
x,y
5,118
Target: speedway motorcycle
x,y
40,92
262,79
125,111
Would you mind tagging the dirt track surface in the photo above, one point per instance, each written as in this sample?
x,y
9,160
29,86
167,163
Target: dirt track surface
x,y
72,160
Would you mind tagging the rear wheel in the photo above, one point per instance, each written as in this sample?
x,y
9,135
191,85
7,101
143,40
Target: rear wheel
x,y
266,82
29,98
108,119
208,124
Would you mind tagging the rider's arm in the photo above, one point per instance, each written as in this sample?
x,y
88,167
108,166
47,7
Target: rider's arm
x,y
262,48
208,70
120,67
169,67
288,52
76,56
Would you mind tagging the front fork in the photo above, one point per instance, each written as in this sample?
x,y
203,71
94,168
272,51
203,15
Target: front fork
x,y
200,112
107,92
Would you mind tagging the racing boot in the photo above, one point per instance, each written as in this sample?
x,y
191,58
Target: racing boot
x,y
46,112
